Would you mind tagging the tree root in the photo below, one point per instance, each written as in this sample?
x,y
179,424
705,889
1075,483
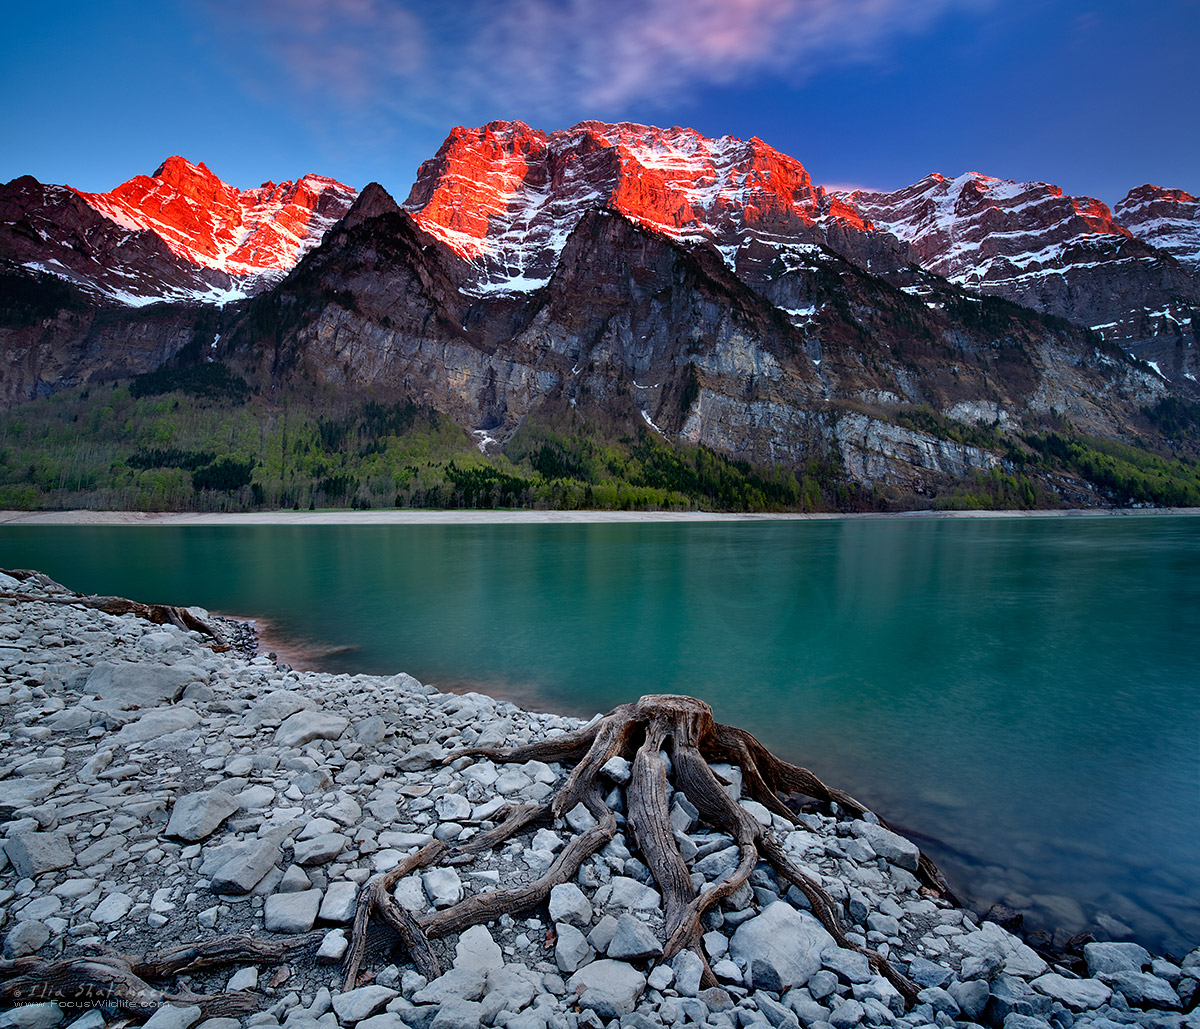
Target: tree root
x,y
652,732
121,981
648,732
158,614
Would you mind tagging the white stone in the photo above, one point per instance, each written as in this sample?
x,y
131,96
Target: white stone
x,y
339,902
568,903
196,816
355,1005
781,947
571,948
476,949
291,912
442,886
1077,994
610,988
305,726
112,908
170,1016
333,947
243,979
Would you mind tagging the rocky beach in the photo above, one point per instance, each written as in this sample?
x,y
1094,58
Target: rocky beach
x,y
190,831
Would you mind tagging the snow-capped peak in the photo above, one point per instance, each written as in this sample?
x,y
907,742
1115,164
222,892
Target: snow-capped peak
x,y
262,231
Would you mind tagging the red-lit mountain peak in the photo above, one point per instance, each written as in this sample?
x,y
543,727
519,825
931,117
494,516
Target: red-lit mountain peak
x,y
204,220
505,196
976,228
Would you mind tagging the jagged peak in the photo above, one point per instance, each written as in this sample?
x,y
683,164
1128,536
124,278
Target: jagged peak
x,y
373,202
177,169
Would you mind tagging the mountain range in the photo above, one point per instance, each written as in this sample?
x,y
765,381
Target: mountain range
x,y
611,280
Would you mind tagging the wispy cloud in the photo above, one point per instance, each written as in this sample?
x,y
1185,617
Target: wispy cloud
x,y
554,58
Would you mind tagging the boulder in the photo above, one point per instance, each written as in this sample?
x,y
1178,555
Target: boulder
x,y
853,967
610,988
420,757
888,845
442,886
25,938
242,872
173,1016
155,724
1143,990
781,946
688,969
476,949
457,1013
45,1015
22,792
1102,958
465,983
971,996
625,892
141,684
333,947
292,912
633,940
568,903
1077,994
571,948
196,816
112,908
33,853
355,1005
305,726
339,902
320,849
275,707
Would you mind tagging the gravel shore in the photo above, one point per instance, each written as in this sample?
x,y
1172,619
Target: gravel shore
x,y
155,793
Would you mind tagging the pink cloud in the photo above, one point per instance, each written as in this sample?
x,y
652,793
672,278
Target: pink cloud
x,y
549,57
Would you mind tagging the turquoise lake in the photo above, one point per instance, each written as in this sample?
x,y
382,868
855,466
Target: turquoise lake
x,y
1021,694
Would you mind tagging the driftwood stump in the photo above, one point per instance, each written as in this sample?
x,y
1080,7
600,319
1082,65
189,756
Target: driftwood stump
x,y
158,614
649,732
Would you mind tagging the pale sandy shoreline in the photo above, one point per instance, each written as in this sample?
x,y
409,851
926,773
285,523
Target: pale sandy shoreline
x,y
490,517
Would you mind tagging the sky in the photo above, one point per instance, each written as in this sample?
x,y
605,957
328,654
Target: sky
x,y
1096,97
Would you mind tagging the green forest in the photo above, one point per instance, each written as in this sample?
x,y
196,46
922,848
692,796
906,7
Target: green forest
x,y
199,439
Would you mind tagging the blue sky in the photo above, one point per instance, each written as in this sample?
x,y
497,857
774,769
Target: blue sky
x,y
1096,97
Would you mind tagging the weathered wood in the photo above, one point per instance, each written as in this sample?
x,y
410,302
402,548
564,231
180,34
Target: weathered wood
x,y
228,950
685,728
375,898
487,907
110,981
158,614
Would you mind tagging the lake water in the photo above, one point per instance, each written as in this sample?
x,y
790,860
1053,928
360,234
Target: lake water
x,y
1022,693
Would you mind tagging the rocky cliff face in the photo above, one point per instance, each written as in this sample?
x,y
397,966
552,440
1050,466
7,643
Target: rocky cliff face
x,y
1063,255
180,234
243,232
637,328
1168,219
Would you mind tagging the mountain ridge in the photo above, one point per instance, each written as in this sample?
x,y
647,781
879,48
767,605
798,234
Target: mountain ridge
x,y
639,285
222,243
